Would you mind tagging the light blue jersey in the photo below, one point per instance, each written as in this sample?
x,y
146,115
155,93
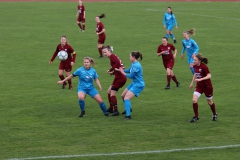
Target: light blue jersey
x,y
192,48
136,74
169,20
86,77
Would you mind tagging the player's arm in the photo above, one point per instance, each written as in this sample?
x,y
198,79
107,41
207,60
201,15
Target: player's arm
x,y
54,55
183,50
175,53
191,85
98,83
67,78
196,47
77,14
84,14
175,21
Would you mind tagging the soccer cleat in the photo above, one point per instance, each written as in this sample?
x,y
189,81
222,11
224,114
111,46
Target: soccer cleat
x,y
194,119
175,41
64,85
70,87
110,110
115,113
100,56
214,117
177,84
83,30
106,114
167,87
124,112
81,114
127,118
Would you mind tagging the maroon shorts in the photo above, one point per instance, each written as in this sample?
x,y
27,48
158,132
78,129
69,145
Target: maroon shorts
x,y
81,19
119,82
101,39
208,91
169,64
65,66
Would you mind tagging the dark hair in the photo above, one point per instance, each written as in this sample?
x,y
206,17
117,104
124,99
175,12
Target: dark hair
x,y
191,31
201,58
102,16
108,47
165,38
137,54
171,10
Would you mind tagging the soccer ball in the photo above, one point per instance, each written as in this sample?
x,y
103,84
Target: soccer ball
x,y
62,55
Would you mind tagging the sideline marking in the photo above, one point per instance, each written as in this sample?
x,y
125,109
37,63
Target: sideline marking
x,y
128,153
155,10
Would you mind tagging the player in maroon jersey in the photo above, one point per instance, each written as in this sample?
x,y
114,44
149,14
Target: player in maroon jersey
x,y
118,82
100,32
204,85
165,50
68,63
81,14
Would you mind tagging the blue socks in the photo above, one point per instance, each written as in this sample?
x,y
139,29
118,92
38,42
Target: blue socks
x,y
81,104
127,106
103,107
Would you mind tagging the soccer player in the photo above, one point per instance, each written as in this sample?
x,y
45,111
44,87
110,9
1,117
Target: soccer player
x,y
165,50
168,21
81,14
118,82
204,85
100,32
191,46
68,63
86,75
135,73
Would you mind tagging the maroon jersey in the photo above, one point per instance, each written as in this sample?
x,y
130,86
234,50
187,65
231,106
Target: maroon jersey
x,y
81,10
200,72
168,51
99,29
68,49
115,62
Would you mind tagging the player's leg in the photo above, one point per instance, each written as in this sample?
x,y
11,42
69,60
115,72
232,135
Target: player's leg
x,y
127,104
60,74
110,109
81,102
191,63
68,69
174,78
209,95
83,24
94,94
197,93
168,71
100,46
78,23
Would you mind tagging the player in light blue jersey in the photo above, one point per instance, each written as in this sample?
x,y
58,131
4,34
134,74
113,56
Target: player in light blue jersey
x,y
191,46
135,73
169,21
86,76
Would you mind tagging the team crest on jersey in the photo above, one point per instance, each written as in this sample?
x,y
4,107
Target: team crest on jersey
x,y
168,48
66,50
200,70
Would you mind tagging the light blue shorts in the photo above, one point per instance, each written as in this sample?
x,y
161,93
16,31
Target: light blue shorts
x,y
169,27
135,89
92,92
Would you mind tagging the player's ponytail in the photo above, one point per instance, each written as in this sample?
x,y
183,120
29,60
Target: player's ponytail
x,y
190,32
108,47
102,16
201,58
137,55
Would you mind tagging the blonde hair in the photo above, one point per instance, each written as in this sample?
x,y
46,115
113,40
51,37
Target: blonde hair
x,y
91,60
190,32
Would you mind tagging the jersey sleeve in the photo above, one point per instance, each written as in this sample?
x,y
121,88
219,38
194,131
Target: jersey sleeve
x,y
76,73
164,19
183,49
54,54
206,70
95,75
174,20
133,72
195,46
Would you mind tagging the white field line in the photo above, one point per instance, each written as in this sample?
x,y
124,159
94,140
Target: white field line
x,y
238,19
128,153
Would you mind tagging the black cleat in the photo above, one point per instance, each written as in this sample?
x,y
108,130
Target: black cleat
x,y
106,114
167,87
178,84
194,119
110,110
81,114
64,85
115,113
214,117
124,112
127,118
100,56
175,41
